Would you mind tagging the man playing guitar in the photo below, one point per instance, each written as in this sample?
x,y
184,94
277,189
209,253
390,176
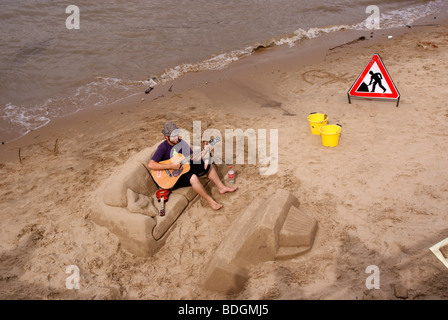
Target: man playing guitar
x,y
173,146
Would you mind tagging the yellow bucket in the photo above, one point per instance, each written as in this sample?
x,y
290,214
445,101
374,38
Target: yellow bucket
x,y
330,135
317,120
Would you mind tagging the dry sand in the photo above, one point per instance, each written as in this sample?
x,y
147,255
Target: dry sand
x,y
380,196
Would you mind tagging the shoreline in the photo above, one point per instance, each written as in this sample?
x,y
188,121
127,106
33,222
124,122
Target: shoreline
x,y
303,53
379,197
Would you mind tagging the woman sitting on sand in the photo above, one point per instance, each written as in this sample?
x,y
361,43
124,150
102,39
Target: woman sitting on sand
x,y
172,146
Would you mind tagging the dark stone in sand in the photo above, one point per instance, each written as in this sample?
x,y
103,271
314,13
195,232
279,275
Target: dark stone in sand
x,y
400,291
148,90
444,251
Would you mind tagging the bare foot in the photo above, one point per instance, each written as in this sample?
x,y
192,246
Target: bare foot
x,y
215,205
226,189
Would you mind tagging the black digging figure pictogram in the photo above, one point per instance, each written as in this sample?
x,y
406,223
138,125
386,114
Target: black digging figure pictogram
x,y
376,79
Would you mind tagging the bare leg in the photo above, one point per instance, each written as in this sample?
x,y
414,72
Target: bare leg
x,y
199,188
213,176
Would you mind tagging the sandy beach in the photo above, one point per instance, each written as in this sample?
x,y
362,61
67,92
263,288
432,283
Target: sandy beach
x,y
380,196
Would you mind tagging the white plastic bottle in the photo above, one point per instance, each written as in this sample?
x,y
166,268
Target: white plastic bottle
x,y
231,175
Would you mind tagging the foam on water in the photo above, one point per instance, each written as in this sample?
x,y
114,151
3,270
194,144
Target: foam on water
x,y
102,91
402,17
23,119
214,63
222,60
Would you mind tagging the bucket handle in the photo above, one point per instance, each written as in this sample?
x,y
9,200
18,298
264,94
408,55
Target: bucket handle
x,y
338,124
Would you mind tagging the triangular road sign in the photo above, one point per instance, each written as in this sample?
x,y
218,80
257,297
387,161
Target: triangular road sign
x,y
374,83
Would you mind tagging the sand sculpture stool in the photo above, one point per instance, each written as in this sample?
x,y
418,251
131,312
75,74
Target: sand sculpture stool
x,y
268,229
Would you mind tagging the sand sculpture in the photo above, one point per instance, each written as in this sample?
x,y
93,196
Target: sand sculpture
x,y
127,205
440,250
268,229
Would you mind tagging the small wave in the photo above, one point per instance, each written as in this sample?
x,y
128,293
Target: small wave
x,y
214,63
311,33
22,120
222,60
100,92
402,17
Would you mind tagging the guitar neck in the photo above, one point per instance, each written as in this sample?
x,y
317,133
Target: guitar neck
x,y
192,156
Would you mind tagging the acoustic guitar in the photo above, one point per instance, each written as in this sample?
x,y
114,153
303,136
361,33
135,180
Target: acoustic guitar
x,y
167,178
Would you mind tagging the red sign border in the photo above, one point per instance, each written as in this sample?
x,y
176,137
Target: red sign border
x,y
394,95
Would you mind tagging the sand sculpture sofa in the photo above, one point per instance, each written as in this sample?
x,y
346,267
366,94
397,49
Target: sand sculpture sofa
x,y
127,205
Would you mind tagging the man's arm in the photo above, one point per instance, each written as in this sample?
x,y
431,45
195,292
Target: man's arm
x,y
158,157
153,165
